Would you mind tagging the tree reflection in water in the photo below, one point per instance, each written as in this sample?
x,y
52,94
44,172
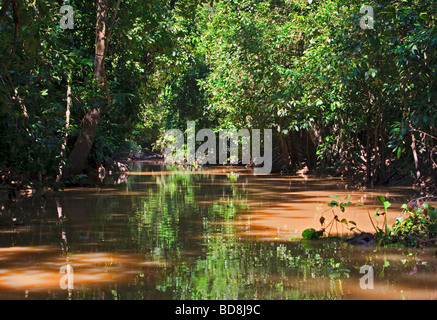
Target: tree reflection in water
x,y
184,235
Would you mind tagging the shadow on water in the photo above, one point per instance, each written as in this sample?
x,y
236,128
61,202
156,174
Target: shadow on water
x,y
217,233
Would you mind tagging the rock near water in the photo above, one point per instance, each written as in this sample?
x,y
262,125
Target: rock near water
x,y
362,239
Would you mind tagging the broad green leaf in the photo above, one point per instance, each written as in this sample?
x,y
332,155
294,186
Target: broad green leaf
x,y
308,233
381,199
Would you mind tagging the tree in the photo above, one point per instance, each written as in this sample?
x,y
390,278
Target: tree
x,y
79,154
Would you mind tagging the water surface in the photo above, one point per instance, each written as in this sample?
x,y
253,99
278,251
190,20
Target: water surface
x,y
216,233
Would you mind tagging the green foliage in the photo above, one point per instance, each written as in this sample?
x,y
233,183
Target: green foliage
x,y
42,60
417,226
340,99
312,234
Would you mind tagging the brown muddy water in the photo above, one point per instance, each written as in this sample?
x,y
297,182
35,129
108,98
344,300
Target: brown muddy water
x,y
217,233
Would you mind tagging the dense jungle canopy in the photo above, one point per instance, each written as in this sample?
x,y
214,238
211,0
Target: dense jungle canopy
x,y
340,99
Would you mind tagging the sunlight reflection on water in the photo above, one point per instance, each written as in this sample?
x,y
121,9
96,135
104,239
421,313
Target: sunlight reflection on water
x,y
219,233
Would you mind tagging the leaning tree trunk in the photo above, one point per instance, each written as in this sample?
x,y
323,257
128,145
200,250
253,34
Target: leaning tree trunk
x,y
81,150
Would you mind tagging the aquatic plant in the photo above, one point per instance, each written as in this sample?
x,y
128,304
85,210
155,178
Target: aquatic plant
x,y
416,226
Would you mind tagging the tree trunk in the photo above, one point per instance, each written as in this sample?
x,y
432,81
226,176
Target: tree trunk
x,y
379,162
67,125
79,155
285,152
286,160
368,153
292,150
377,159
382,136
416,158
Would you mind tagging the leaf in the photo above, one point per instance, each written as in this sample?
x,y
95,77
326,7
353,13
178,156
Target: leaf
x,y
381,199
317,234
88,62
426,205
322,219
433,214
312,233
333,203
308,233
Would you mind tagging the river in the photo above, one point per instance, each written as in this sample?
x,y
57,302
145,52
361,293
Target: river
x,y
214,233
